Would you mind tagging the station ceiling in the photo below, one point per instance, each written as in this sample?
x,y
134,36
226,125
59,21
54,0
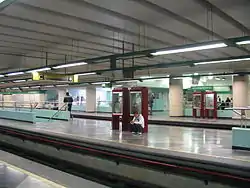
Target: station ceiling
x,y
37,33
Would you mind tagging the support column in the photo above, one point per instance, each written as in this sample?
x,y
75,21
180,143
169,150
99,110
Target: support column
x,y
240,92
90,99
61,94
175,98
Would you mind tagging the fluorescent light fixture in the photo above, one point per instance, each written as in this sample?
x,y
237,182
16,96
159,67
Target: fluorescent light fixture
x,y
49,86
14,73
63,85
222,61
190,49
243,42
86,74
39,70
196,74
145,77
178,78
34,87
26,87
1,75
15,88
187,75
70,65
2,1
18,81
100,83
124,81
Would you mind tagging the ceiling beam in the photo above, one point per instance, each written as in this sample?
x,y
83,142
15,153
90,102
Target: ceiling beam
x,y
6,4
183,20
97,24
224,16
47,48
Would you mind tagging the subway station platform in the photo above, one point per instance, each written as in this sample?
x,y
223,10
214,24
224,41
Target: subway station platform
x,y
212,144
17,172
161,119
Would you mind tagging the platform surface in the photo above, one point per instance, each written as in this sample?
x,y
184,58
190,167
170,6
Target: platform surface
x,y
161,117
17,172
196,141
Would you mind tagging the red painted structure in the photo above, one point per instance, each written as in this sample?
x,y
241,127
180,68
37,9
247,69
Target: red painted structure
x,y
122,113
143,108
210,107
198,104
122,107
203,104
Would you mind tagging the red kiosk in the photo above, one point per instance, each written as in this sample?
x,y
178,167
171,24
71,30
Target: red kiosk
x,y
205,104
120,96
210,104
139,102
198,104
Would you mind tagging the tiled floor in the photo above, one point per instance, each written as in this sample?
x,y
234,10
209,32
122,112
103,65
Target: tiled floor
x,y
198,141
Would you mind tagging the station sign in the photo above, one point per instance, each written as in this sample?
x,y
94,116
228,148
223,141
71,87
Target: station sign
x,y
36,76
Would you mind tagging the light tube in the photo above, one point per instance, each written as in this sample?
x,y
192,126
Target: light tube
x,y
14,73
222,61
39,70
2,1
243,42
17,81
63,85
124,81
49,86
1,75
190,49
34,87
70,65
99,83
86,74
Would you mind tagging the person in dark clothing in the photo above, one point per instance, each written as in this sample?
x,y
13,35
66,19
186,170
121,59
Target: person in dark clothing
x,y
228,101
223,105
69,100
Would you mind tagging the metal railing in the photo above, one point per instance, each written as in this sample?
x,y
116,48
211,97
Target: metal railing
x,y
28,105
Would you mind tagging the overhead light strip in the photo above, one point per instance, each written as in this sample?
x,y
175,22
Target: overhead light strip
x,y
69,65
99,83
18,81
243,42
14,73
124,81
222,61
39,70
86,74
190,49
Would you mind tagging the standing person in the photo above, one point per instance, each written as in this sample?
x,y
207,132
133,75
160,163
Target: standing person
x,y
137,124
69,100
151,103
228,101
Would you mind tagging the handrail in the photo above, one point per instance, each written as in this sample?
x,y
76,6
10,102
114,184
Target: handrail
x,y
59,110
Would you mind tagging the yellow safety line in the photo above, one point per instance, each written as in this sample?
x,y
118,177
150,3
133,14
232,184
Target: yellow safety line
x,y
53,184
215,156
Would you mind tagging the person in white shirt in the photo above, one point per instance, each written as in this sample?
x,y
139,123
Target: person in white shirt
x,y
137,124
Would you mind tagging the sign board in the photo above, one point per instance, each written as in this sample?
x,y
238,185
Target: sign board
x,y
56,77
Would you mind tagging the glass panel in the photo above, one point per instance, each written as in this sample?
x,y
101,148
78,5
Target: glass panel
x,y
197,101
117,103
135,102
209,101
